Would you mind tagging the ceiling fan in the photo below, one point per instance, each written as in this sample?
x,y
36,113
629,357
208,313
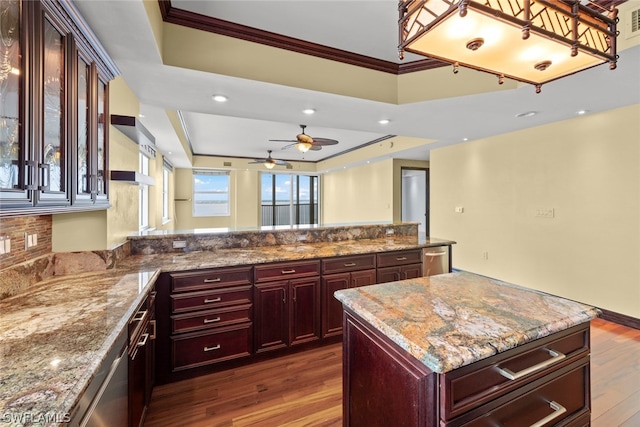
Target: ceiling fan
x,y
304,142
270,162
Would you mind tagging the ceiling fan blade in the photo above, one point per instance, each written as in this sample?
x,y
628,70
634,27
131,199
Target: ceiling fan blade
x,y
324,141
282,163
286,147
283,140
257,161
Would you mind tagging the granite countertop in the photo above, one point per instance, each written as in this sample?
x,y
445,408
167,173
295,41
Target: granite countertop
x,y
56,334
54,337
451,320
264,254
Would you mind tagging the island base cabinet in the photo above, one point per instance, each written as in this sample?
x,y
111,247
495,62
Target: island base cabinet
x,y
382,385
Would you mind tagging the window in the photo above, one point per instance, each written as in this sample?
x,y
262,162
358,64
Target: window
x,y
166,175
289,199
143,211
210,193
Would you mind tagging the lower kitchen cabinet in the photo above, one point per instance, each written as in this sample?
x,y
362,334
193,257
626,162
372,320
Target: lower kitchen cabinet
x,y
331,307
287,304
204,317
541,383
399,265
142,335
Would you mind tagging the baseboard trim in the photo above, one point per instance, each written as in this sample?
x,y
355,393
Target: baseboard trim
x,y
620,319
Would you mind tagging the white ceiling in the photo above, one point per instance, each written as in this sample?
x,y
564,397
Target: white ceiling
x,y
258,111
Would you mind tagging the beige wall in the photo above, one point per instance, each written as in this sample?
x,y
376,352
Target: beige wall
x,y
359,194
586,169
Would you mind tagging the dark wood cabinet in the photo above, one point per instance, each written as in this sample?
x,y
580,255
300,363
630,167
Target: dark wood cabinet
x,y
53,138
545,381
287,304
142,336
204,317
342,273
399,265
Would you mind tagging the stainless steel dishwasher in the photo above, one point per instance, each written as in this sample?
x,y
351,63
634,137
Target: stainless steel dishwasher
x,y
435,260
105,402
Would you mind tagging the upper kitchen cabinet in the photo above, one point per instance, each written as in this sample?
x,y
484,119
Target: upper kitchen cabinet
x,y
54,79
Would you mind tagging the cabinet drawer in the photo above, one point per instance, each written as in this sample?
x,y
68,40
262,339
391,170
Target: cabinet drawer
x,y
289,270
348,263
210,299
389,259
208,279
208,319
561,400
473,385
198,349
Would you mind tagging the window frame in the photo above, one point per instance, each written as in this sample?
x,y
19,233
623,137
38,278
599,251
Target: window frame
x,y
294,198
143,194
195,193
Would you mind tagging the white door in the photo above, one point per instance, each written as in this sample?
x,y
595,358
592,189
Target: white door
x,y
415,198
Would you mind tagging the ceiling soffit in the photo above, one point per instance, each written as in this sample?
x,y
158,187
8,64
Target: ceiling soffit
x,y
210,24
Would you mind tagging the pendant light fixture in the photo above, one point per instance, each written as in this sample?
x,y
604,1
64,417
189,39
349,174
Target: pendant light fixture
x,y
532,41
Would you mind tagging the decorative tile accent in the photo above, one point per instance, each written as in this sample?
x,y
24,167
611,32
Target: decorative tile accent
x,y
15,228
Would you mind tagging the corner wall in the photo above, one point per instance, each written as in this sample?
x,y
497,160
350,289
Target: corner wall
x,y
555,208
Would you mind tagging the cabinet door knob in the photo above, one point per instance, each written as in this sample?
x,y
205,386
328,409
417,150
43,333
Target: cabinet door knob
x,y
401,258
207,300
350,264
288,271
216,347
217,319
217,279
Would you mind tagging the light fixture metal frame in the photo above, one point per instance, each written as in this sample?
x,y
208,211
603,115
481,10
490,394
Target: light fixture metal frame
x,y
601,45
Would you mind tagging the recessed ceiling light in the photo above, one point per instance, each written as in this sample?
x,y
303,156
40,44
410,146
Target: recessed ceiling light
x,y
582,112
141,115
219,98
527,114
465,139
308,111
384,121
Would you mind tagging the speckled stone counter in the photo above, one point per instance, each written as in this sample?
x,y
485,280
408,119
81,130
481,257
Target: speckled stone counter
x,y
56,333
55,336
451,320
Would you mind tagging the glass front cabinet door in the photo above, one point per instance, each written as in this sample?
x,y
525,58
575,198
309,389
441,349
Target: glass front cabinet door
x,y
54,78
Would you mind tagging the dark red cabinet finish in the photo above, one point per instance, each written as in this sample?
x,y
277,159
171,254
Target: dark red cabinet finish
x,y
384,385
342,273
399,265
287,304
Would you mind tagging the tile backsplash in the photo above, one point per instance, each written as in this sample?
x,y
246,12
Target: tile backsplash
x,y
16,228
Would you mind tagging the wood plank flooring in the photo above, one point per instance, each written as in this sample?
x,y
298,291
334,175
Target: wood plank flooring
x,y
305,389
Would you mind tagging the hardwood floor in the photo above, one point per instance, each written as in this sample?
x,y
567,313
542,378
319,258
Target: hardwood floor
x,y
305,389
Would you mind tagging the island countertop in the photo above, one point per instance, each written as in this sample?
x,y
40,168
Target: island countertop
x,y
452,320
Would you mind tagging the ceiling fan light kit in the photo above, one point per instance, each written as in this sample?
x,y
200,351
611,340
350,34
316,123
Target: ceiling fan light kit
x,y
304,142
270,162
531,41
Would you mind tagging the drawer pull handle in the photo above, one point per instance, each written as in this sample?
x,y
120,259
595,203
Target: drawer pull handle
x,y
217,347
288,271
217,319
350,264
556,356
143,340
139,316
217,279
401,258
155,330
558,410
208,301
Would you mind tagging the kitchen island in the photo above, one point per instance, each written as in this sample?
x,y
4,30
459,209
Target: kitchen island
x,y
463,349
